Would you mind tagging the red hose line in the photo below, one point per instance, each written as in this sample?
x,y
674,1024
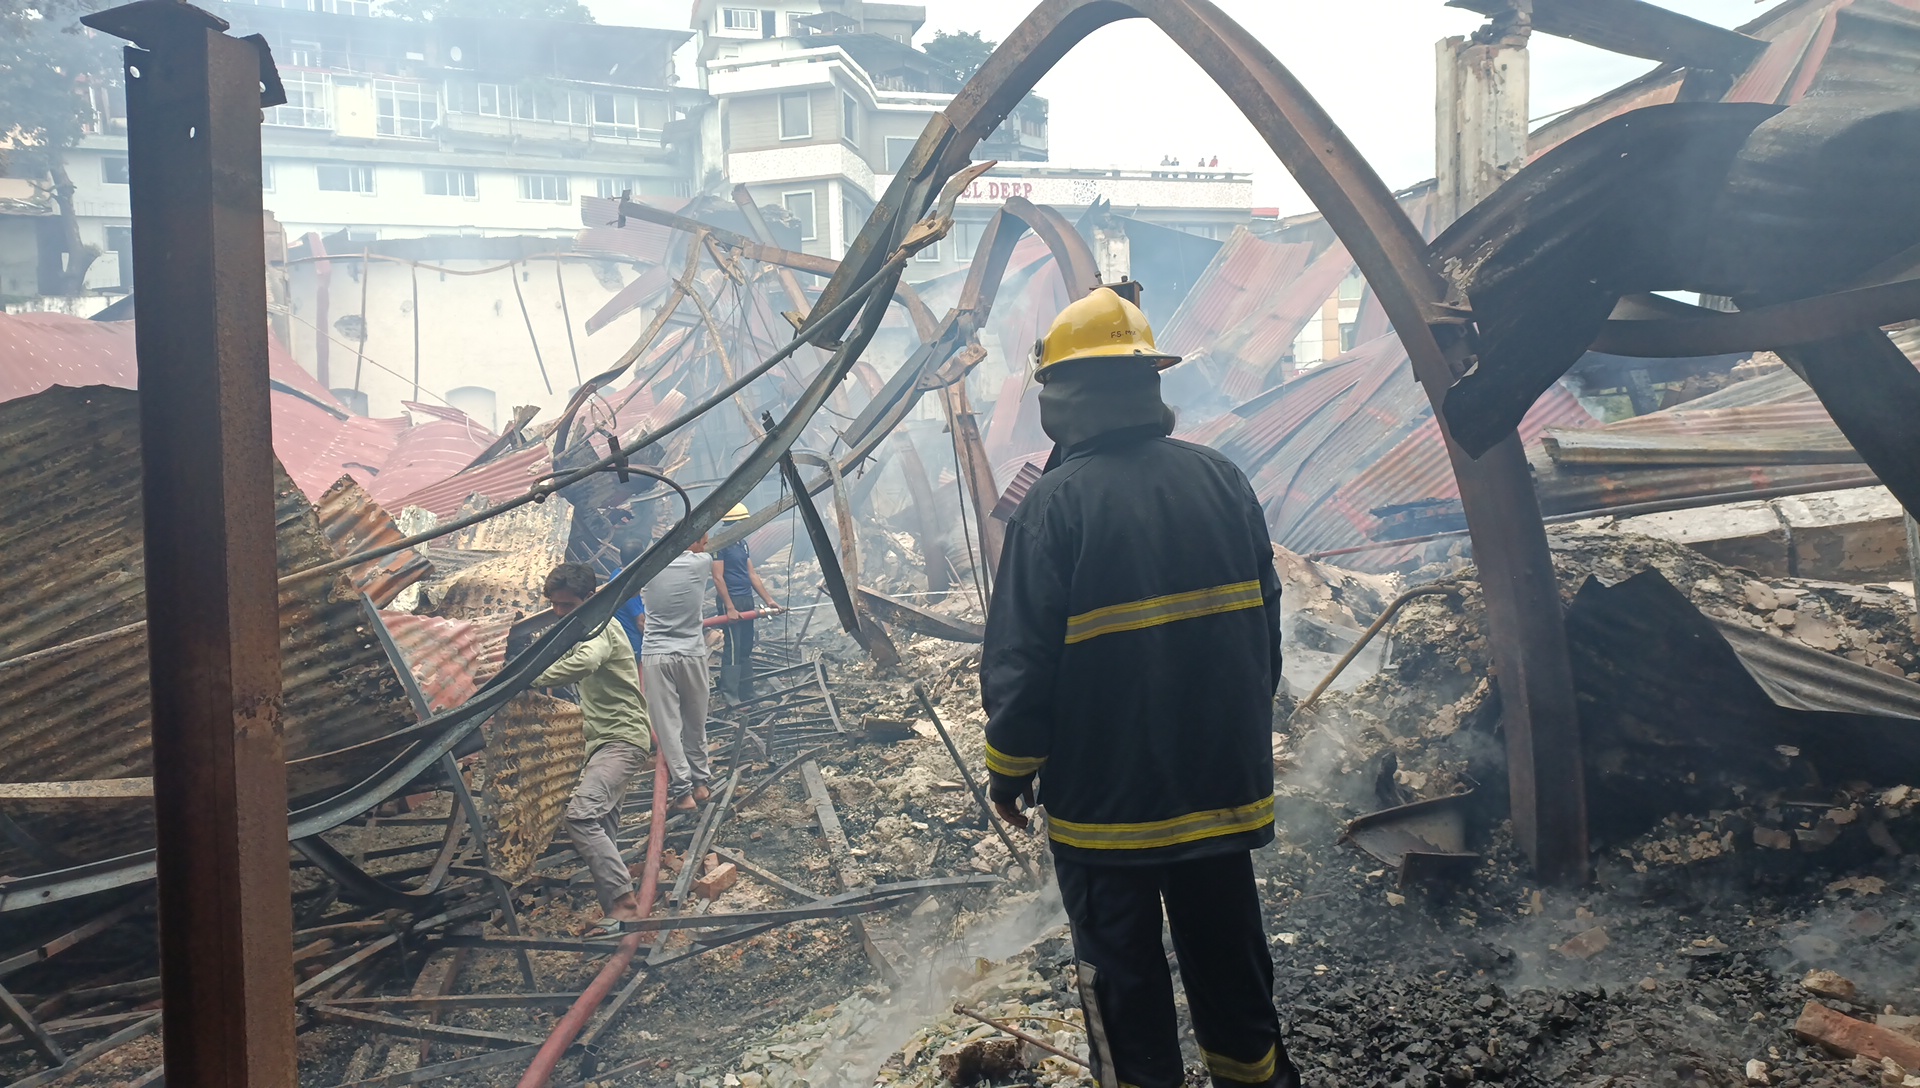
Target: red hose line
x,y
721,621
570,1025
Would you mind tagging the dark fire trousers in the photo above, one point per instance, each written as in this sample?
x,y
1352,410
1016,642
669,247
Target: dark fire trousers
x,y
736,661
1219,936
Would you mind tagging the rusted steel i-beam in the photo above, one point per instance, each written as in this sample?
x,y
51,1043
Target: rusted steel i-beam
x,y
219,777
1522,599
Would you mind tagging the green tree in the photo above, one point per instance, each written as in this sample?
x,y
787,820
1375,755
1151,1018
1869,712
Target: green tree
x,y
566,11
961,53
49,67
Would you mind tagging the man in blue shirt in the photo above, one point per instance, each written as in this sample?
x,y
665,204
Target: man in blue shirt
x,y
735,582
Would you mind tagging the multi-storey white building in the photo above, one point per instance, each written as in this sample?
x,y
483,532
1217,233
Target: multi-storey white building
x,y
819,102
398,129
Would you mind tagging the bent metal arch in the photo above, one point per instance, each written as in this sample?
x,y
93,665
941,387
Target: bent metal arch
x,y
1509,541
942,345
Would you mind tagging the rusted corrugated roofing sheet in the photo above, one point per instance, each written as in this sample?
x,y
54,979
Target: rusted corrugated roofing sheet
x,y
314,437
1416,468
426,454
1781,395
1240,283
444,655
73,663
1771,75
352,522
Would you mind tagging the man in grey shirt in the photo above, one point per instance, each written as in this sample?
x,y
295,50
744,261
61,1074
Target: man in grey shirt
x,y
673,668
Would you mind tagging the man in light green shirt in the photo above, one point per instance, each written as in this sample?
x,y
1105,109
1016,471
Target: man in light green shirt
x,y
618,735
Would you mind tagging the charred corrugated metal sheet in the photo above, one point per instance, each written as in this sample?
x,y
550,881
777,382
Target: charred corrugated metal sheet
x,y
1698,707
535,746
70,560
73,686
352,522
1774,434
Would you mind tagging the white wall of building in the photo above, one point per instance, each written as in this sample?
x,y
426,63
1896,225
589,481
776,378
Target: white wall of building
x,y
472,334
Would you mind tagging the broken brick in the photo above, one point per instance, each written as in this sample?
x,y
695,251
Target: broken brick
x,y
1585,946
1842,1034
1829,984
717,881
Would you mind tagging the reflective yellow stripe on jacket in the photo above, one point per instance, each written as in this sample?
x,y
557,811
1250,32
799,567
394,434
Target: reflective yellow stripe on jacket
x,y
1154,611
1012,766
1259,1072
1210,824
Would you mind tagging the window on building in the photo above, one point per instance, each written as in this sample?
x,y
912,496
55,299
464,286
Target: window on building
x,y
554,188
1349,330
303,54
343,179
1352,287
343,7
740,18
266,175
461,183
931,254
796,116
849,119
615,114
405,109
611,188
113,169
898,148
306,105
796,28
966,239
850,213
800,206
120,244
511,100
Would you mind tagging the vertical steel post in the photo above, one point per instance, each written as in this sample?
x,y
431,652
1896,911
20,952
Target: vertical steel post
x,y
1481,140
220,797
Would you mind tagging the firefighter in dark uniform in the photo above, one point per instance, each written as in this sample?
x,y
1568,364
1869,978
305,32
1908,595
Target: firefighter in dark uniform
x,y
1132,655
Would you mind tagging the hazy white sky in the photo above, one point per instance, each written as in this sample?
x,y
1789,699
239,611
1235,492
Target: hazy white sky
x,y
1126,96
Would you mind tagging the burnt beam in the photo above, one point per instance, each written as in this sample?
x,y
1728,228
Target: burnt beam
x,y
1637,29
219,777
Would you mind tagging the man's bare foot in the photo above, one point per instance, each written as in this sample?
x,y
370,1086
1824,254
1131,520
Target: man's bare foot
x,y
701,793
625,909
685,804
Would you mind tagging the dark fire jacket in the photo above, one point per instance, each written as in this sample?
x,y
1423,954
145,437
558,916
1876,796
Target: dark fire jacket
x,y
1133,652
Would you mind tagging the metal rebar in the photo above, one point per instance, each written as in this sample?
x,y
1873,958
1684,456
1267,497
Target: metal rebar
x,y
1021,1035
979,795
1386,617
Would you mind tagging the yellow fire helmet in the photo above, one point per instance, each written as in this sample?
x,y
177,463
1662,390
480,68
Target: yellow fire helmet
x,y
1101,326
738,513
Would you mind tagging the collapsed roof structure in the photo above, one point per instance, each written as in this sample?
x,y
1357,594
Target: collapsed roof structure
x,y
1756,175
